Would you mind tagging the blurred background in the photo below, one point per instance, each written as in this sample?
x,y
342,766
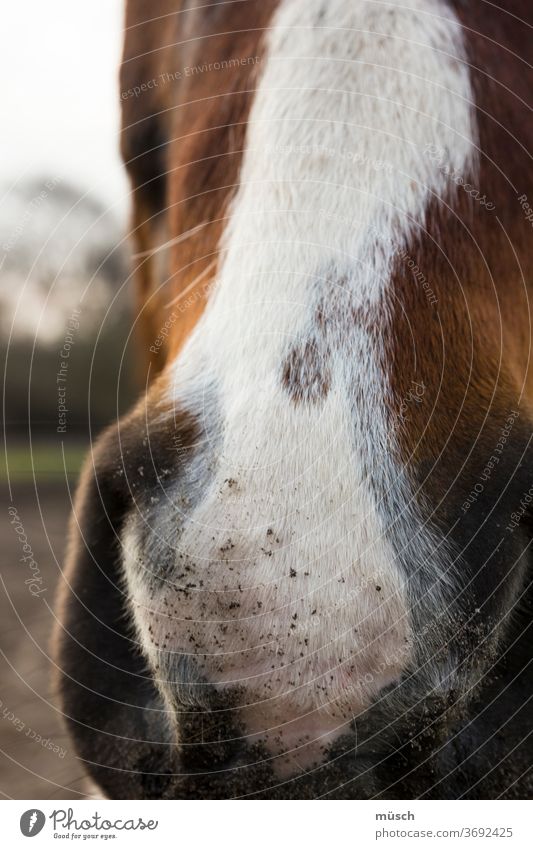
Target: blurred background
x,y
65,323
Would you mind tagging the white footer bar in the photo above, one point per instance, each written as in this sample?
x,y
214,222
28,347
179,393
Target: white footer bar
x,y
268,825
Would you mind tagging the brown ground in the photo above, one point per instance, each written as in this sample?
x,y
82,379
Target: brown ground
x,y
29,769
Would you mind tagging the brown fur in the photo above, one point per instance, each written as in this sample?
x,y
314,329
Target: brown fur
x,y
182,143
470,349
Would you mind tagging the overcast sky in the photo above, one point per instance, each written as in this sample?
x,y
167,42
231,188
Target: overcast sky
x,y
60,115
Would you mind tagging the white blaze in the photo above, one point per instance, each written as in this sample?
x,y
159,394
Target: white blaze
x,y
301,600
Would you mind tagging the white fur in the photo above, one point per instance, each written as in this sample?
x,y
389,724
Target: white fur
x,y
334,181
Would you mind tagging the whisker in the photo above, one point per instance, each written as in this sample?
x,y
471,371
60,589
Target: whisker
x,y
193,283
175,241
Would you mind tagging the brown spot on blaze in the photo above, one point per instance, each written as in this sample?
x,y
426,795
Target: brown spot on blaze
x,y
306,374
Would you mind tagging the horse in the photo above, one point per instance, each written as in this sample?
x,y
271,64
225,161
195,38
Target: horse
x,y
300,566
